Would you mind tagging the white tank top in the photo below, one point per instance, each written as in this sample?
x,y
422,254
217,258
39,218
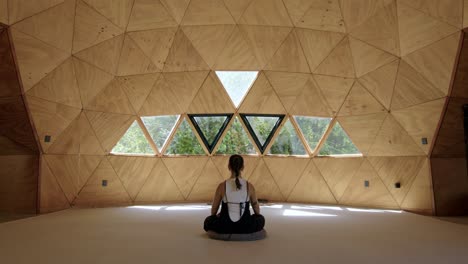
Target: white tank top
x,y
234,197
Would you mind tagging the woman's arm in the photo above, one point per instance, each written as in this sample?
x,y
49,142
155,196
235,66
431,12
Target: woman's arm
x,y
217,199
253,199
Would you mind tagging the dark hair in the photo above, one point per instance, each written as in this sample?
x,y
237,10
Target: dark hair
x,y
236,163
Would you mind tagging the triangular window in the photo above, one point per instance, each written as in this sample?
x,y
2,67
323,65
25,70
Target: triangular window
x,y
237,83
210,127
160,128
133,142
262,128
312,128
338,143
185,142
236,141
287,142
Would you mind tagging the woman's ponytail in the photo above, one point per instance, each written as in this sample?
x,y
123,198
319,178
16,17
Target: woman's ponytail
x,y
236,163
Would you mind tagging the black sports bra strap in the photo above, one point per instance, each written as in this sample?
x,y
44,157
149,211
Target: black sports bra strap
x,y
247,198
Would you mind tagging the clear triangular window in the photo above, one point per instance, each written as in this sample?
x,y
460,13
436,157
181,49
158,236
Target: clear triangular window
x,y
133,142
160,128
210,127
237,83
185,142
312,128
262,128
236,141
287,142
338,143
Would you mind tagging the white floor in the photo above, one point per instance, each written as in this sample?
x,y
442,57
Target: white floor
x,y
174,234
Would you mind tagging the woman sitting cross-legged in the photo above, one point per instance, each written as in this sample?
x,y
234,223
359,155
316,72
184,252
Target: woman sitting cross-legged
x,y
235,194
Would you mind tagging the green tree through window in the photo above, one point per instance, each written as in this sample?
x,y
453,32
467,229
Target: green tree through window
x,y
338,143
160,127
312,128
133,142
185,142
287,142
236,141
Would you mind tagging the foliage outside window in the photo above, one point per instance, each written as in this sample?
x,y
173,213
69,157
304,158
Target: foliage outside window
x,y
262,128
185,142
338,143
160,127
210,127
133,142
287,142
236,141
312,128
237,83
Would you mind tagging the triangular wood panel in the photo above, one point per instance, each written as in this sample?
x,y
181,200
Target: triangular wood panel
x,y
183,56
149,15
91,80
11,147
237,7
3,13
418,29
362,129
264,40
159,186
237,54
317,45
367,58
205,187
449,11
374,195
421,121
138,87
78,138
132,171
209,41
323,15
118,12
104,55
9,86
288,86
54,26
35,59
338,172
133,60
155,43
211,98
286,172
221,162
94,194
296,9
88,164
266,13
51,196
91,28
311,101
419,196
357,12
50,119
111,99
59,86
401,170
207,12
360,102
311,188
264,183
411,88
66,169
176,8
262,98
334,89
20,9
436,62
381,29
185,171
173,92
393,140
109,128
289,57
339,62
381,82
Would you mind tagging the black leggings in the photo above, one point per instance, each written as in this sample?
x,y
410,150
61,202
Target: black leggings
x,y
249,224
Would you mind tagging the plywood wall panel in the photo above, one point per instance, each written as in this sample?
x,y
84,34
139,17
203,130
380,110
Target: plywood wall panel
x,y
449,11
286,172
176,8
420,196
357,12
21,9
266,12
205,187
334,89
289,57
137,88
288,86
91,80
149,14
133,60
360,102
211,98
237,7
262,98
104,55
4,11
159,187
118,12
185,171
18,184
311,101
339,62
323,15
367,58
264,183
53,26
9,84
111,99
51,196
207,12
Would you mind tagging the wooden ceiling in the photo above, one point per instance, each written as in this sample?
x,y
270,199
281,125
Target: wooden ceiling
x,y
381,68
